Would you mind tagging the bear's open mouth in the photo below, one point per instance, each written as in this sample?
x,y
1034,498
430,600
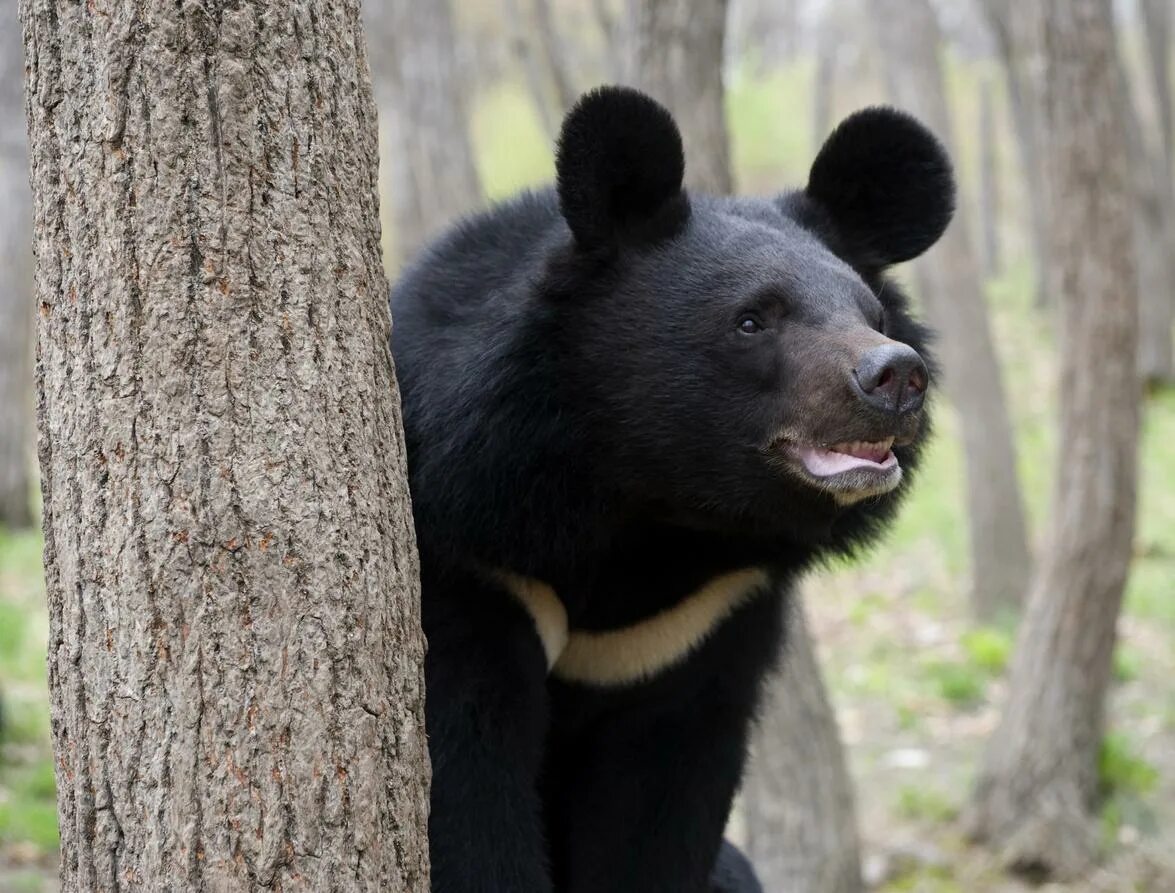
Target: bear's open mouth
x,y
838,458
848,471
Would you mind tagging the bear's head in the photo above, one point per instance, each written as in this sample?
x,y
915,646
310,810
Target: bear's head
x,y
748,368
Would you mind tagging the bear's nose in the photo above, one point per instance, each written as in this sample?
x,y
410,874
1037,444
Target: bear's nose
x,y
892,378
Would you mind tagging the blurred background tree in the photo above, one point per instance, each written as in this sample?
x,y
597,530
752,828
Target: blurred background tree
x,y
951,287
16,313
1039,780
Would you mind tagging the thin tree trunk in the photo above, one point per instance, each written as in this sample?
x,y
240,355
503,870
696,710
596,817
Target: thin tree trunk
x,y
798,798
824,79
434,177
555,52
536,81
989,184
1039,775
677,58
234,648
954,301
1156,19
1015,37
1156,223
1154,245
614,37
16,300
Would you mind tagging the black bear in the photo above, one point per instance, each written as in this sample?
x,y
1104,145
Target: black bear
x,y
634,415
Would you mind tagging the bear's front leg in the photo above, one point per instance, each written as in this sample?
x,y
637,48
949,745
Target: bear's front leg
x,y
486,711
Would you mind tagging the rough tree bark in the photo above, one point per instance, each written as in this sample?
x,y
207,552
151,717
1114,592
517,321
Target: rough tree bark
x,y
797,797
433,173
1011,25
952,294
1039,775
1155,231
16,300
234,649
989,183
677,48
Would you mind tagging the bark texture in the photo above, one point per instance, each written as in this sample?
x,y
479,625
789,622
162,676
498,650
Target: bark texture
x,y
678,59
953,297
234,648
16,298
434,177
1038,780
798,797
1012,24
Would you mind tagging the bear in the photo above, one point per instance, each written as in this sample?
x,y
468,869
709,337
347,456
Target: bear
x,y
634,416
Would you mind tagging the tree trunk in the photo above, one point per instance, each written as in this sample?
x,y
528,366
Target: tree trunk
x,y
16,301
989,183
824,78
954,301
433,175
798,797
1154,245
1156,219
1156,20
556,54
520,41
1011,25
614,39
677,58
1039,775
235,661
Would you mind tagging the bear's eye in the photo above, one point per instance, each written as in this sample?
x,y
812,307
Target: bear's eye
x,y
748,325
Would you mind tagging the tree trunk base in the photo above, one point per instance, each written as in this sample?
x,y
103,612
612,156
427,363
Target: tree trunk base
x,y
1041,833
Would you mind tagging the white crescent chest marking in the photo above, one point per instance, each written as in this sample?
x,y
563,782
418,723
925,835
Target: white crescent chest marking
x,y
544,608
641,650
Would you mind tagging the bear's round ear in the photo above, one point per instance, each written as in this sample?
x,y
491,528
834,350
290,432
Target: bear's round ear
x,y
887,184
619,167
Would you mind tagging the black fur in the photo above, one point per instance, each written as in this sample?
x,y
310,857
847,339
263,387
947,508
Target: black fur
x,y
887,183
582,407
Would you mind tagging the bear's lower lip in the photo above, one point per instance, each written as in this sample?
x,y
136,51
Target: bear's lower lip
x,y
825,462
849,472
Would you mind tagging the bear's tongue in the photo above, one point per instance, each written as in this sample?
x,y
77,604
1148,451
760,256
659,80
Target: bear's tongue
x,y
841,457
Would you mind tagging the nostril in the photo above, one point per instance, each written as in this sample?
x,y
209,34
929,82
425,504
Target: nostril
x,y
892,377
917,380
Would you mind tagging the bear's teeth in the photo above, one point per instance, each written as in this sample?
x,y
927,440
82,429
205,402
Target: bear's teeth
x,y
874,451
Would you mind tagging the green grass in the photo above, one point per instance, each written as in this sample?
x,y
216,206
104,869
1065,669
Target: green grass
x,y
24,882
921,803
1120,768
958,684
988,649
28,811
